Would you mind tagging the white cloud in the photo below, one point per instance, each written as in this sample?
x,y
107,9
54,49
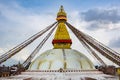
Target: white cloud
x,y
18,24
1,51
103,31
107,18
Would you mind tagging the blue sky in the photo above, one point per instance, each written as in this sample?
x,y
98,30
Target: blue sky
x,y
74,4
19,19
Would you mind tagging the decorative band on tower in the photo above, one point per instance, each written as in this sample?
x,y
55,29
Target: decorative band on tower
x,y
62,41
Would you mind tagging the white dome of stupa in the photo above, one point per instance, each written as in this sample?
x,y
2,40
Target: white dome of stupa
x,y
55,59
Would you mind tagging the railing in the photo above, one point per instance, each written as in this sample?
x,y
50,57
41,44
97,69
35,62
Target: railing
x,y
81,71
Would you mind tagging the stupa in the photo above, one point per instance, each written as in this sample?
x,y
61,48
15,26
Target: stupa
x,y
62,62
61,56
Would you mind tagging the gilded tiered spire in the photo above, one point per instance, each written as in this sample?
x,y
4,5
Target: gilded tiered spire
x,y
61,38
61,15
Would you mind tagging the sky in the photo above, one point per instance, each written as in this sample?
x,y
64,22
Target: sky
x,y
20,19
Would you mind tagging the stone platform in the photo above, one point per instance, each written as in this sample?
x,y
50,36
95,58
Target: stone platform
x,y
62,75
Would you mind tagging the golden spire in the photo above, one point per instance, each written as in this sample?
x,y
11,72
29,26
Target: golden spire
x,y
61,38
61,15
